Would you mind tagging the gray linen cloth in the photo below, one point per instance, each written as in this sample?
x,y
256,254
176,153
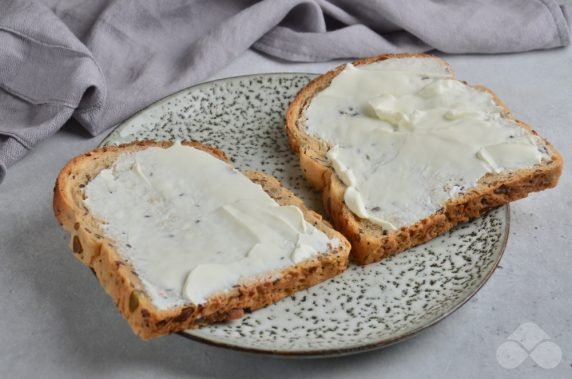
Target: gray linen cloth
x,y
98,61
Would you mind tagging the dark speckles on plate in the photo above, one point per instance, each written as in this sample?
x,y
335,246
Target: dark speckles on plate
x,y
364,308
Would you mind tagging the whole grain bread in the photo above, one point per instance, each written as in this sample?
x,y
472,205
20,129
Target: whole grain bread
x,y
370,242
91,246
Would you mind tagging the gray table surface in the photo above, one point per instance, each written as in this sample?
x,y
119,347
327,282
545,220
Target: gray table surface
x,y
57,322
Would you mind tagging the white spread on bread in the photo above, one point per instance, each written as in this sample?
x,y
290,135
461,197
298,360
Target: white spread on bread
x,y
406,137
192,226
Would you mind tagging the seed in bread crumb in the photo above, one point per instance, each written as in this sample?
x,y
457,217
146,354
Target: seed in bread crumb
x,y
133,301
77,248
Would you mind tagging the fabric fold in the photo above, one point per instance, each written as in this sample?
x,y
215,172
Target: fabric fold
x,y
99,61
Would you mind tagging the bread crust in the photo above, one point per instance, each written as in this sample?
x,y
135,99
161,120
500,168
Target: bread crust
x,y
91,246
370,242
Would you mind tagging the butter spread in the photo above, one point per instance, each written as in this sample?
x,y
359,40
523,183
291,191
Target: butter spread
x,y
405,137
193,226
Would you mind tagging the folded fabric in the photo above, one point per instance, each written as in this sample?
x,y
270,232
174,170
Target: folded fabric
x,y
99,61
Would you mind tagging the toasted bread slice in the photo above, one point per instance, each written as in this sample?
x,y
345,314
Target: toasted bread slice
x,y
372,242
120,279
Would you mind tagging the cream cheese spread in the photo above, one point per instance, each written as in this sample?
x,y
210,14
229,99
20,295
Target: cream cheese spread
x,y
405,137
193,226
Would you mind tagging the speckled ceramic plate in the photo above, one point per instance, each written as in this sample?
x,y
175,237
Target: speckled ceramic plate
x,y
364,308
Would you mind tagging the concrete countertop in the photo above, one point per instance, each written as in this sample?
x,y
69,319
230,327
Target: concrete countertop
x,y
57,322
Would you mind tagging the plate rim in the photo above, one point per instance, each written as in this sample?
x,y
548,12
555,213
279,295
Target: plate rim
x,y
319,353
114,128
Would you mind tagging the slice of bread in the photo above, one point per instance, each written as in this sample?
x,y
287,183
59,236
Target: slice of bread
x,y
372,242
95,249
